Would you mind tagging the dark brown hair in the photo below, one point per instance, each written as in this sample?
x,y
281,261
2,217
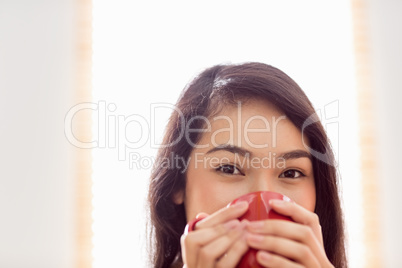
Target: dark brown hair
x,y
213,89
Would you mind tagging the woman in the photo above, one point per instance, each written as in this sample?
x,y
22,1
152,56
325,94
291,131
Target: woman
x,y
239,129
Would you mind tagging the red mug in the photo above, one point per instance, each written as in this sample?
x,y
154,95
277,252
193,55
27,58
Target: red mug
x,y
259,209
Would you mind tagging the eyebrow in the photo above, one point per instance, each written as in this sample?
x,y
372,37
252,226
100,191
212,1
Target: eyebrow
x,y
295,154
243,152
230,148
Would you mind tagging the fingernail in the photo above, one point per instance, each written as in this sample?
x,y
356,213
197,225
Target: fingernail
x,y
231,224
256,224
277,202
265,255
255,238
240,205
201,215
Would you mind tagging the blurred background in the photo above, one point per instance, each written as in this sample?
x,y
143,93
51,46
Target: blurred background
x,y
86,88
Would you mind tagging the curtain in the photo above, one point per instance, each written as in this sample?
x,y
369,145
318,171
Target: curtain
x,y
83,159
367,134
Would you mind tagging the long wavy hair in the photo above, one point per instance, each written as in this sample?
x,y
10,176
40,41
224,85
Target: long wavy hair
x,y
211,90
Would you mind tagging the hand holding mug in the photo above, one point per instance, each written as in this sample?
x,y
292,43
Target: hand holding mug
x,y
259,209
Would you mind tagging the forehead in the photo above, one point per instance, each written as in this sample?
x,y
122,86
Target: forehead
x,y
253,125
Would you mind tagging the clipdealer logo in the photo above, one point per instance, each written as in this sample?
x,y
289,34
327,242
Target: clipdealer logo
x,y
113,130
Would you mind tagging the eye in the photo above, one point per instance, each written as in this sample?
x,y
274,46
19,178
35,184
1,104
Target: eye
x,y
291,173
229,169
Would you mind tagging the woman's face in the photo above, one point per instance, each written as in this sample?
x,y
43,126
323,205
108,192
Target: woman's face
x,y
248,148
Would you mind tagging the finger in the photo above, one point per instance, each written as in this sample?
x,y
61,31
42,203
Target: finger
x,y
193,241
299,214
232,257
289,249
275,261
210,253
223,215
289,230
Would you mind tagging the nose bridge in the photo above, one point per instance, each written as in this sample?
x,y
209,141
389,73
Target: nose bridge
x,y
263,180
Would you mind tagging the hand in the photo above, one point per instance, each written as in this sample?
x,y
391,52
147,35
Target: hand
x,y
288,244
218,240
